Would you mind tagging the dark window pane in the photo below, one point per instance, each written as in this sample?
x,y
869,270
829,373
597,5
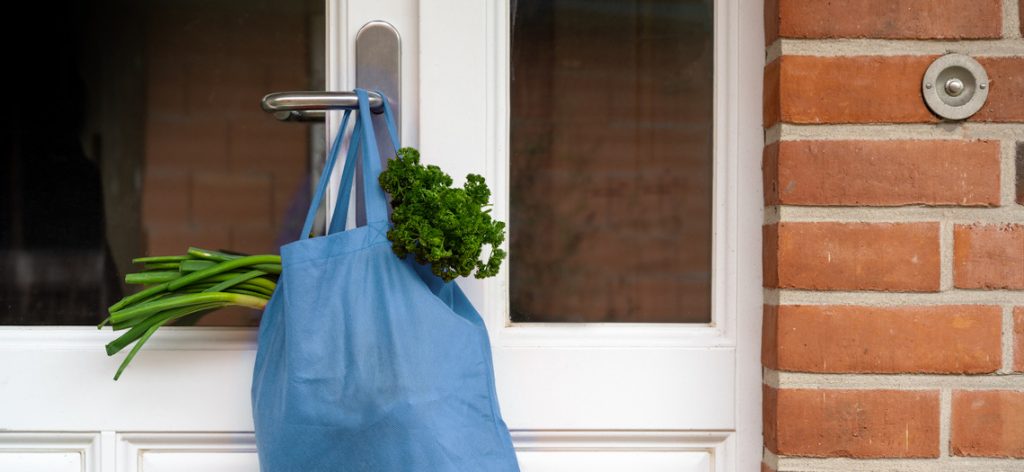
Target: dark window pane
x,y
611,160
135,129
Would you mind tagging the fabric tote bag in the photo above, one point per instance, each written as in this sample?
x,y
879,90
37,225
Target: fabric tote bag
x,y
368,362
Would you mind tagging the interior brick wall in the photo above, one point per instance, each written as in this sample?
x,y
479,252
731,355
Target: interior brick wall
x,y
219,172
894,241
615,189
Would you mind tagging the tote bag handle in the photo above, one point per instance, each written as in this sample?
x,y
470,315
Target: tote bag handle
x,y
339,218
340,215
325,177
364,137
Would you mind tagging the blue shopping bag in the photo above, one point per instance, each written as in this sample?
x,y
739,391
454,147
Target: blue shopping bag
x,y
368,362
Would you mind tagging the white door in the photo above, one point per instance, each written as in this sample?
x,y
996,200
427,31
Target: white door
x,y
621,141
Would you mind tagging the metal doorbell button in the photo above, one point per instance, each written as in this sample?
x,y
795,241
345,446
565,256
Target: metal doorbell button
x,y
955,86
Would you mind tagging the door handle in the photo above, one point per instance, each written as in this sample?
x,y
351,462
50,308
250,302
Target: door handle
x,y
312,106
378,68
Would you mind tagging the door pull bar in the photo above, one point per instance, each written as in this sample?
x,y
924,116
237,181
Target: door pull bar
x,y
312,106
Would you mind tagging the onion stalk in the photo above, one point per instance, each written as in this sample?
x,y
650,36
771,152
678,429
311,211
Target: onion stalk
x,y
191,284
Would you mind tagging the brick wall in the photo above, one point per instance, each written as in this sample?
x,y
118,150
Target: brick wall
x,y
893,242
219,171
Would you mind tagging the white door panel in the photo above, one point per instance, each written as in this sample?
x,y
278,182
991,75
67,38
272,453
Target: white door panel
x,y
617,389
198,462
622,451
41,461
609,461
186,380
198,452
49,452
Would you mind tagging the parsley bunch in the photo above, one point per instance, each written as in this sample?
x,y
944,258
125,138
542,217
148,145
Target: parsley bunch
x,y
442,226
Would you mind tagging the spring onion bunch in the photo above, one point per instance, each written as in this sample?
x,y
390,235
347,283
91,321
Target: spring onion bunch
x,y
192,284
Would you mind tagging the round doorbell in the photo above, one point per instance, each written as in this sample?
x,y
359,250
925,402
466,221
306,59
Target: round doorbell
x,y
955,86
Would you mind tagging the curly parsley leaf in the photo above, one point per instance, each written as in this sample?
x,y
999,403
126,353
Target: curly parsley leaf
x,y
439,225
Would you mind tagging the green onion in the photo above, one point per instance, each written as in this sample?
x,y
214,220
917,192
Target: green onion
x,y
195,265
223,267
238,279
179,301
146,260
190,285
149,278
164,265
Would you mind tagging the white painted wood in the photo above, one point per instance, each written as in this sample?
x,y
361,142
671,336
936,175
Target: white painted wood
x,y
746,19
194,452
595,451
41,461
198,461
616,389
49,452
186,380
609,461
578,396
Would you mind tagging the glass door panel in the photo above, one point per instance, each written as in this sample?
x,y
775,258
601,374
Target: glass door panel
x,y
611,160
135,129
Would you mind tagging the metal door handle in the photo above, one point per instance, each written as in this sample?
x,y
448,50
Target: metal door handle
x,y
311,106
378,67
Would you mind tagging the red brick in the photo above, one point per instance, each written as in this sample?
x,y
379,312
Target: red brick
x,y
849,89
184,145
988,256
1018,339
165,87
863,339
665,299
168,240
225,87
257,240
770,336
231,316
769,255
291,196
596,298
1019,177
240,200
765,468
1006,92
267,145
771,21
852,423
889,19
882,173
988,423
853,256
845,89
165,197
772,88
770,174
769,417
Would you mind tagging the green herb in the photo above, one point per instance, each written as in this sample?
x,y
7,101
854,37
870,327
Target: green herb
x,y
439,225
182,286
